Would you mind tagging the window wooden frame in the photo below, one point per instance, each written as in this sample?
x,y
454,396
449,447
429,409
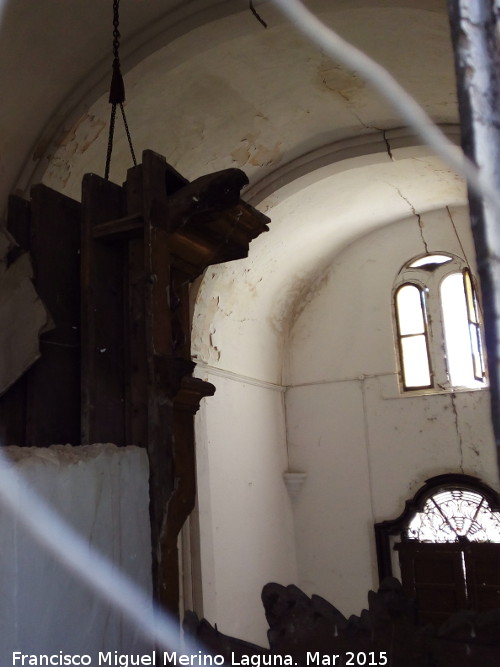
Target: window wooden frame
x,y
396,527
474,326
403,336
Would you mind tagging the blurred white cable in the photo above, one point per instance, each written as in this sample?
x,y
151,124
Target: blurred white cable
x,y
340,50
75,554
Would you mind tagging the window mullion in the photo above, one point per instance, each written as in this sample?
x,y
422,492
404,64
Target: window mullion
x,y
437,345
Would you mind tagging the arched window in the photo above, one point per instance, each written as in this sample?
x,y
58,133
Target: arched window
x,y
448,543
438,326
455,515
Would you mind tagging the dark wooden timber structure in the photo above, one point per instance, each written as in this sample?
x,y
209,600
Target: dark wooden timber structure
x,y
43,406
307,631
115,274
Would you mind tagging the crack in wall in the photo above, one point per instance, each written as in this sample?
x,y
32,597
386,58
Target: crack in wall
x,y
457,428
361,122
387,144
350,104
417,215
347,99
359,119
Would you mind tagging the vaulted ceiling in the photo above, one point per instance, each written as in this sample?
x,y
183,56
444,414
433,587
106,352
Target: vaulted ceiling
x,y
209,88
206,83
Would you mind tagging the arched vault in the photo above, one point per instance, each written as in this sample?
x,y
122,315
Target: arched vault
x,y
244,310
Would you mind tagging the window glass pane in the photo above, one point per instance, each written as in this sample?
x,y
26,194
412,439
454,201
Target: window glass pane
x,y
456,331
409,310
415,362
477,357
430,259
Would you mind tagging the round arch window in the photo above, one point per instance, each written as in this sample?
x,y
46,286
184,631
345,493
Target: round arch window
x,y
448,543
438,325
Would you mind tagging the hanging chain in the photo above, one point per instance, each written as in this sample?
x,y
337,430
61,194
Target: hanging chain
x,y
116,32
110,141
116,92
128,135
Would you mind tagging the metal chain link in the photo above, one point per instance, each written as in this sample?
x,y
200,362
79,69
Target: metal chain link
x,y
128,135
110,141
116,32
117,97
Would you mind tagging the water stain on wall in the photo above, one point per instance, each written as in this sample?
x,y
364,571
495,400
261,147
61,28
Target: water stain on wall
x,y
337,80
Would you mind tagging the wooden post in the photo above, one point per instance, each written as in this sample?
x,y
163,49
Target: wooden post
x,y
102,288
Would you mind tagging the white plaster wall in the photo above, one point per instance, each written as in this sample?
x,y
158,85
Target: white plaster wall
x,y
333,520
244,309
364,447
102,492
344,329
245,512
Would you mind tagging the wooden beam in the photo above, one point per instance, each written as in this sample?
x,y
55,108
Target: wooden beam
x,y
102,285
123,229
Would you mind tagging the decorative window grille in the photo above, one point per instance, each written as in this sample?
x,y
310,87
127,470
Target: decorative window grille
x,y
456,515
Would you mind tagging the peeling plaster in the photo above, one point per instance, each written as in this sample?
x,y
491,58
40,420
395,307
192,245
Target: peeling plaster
x,y
205,346
214,352
77,139
85,132
251,151
75,143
